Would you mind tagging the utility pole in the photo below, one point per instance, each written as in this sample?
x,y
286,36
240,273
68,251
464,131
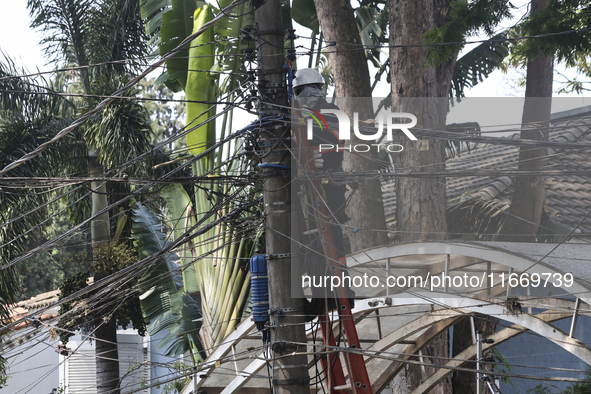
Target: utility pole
x,y
478,358
287,326
482,377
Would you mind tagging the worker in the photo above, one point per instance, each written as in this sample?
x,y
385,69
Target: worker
x,y
307,87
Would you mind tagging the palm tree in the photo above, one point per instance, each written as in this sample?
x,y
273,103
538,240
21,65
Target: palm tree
x,y
26,120
106,41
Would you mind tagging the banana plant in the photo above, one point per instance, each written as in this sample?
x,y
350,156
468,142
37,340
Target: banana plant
x,y
214,263
169,22
200,86
165,303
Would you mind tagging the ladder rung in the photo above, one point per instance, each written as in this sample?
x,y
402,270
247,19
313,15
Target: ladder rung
x,y
343,387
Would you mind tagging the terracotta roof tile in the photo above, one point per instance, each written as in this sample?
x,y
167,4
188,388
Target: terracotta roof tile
x,y
568,197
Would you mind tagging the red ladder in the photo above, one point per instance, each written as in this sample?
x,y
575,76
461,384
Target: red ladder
x,y
331,362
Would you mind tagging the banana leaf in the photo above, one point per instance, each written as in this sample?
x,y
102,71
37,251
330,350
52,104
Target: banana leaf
x,y
170,22
164,302
304,13
200,84
180,207
234,39
212,263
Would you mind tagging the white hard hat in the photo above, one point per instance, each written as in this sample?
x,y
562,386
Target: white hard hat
x,y
307,76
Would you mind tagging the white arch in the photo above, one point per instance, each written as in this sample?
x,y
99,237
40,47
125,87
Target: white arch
x,y
562,259
430,324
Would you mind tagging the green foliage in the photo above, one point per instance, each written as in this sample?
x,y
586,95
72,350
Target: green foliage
x,y
212,72
9,291
304,13
164,302
120,132
47,270
167,118
169,22
63,24
232,41
502,365
80,314
25,123
467,17
21,97
539,389
180,208
83,32
372,23
559,16
576,388
176,386
200,87
479,63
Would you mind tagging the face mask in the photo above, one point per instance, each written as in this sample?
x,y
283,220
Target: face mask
x,y
309,96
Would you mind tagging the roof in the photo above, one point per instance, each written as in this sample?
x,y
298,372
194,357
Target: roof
x,y
568,197
40,301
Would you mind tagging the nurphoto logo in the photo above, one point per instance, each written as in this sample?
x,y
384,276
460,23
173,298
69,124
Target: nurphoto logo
x,y
385,124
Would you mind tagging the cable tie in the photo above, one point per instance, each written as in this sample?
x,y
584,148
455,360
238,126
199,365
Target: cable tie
x,y
274,165
278,256
271,204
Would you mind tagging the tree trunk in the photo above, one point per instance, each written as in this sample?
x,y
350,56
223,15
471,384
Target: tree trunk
x,y
420,202
523,220
107,359
351,75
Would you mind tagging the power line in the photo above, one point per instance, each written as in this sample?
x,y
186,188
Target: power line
x,y
119,92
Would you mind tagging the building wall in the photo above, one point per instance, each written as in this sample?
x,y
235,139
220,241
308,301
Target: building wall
x,y
33,367
78,372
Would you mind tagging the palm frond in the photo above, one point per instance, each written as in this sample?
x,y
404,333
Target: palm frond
x,y
18,137
474,217
372,23
24,97
479,63
120,132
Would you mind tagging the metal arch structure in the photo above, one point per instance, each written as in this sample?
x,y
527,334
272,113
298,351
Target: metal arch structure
x,y
540,324
425,315
427,326
513,257
501,336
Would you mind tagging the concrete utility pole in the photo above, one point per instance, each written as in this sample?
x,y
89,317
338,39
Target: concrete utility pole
x,y
290,372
